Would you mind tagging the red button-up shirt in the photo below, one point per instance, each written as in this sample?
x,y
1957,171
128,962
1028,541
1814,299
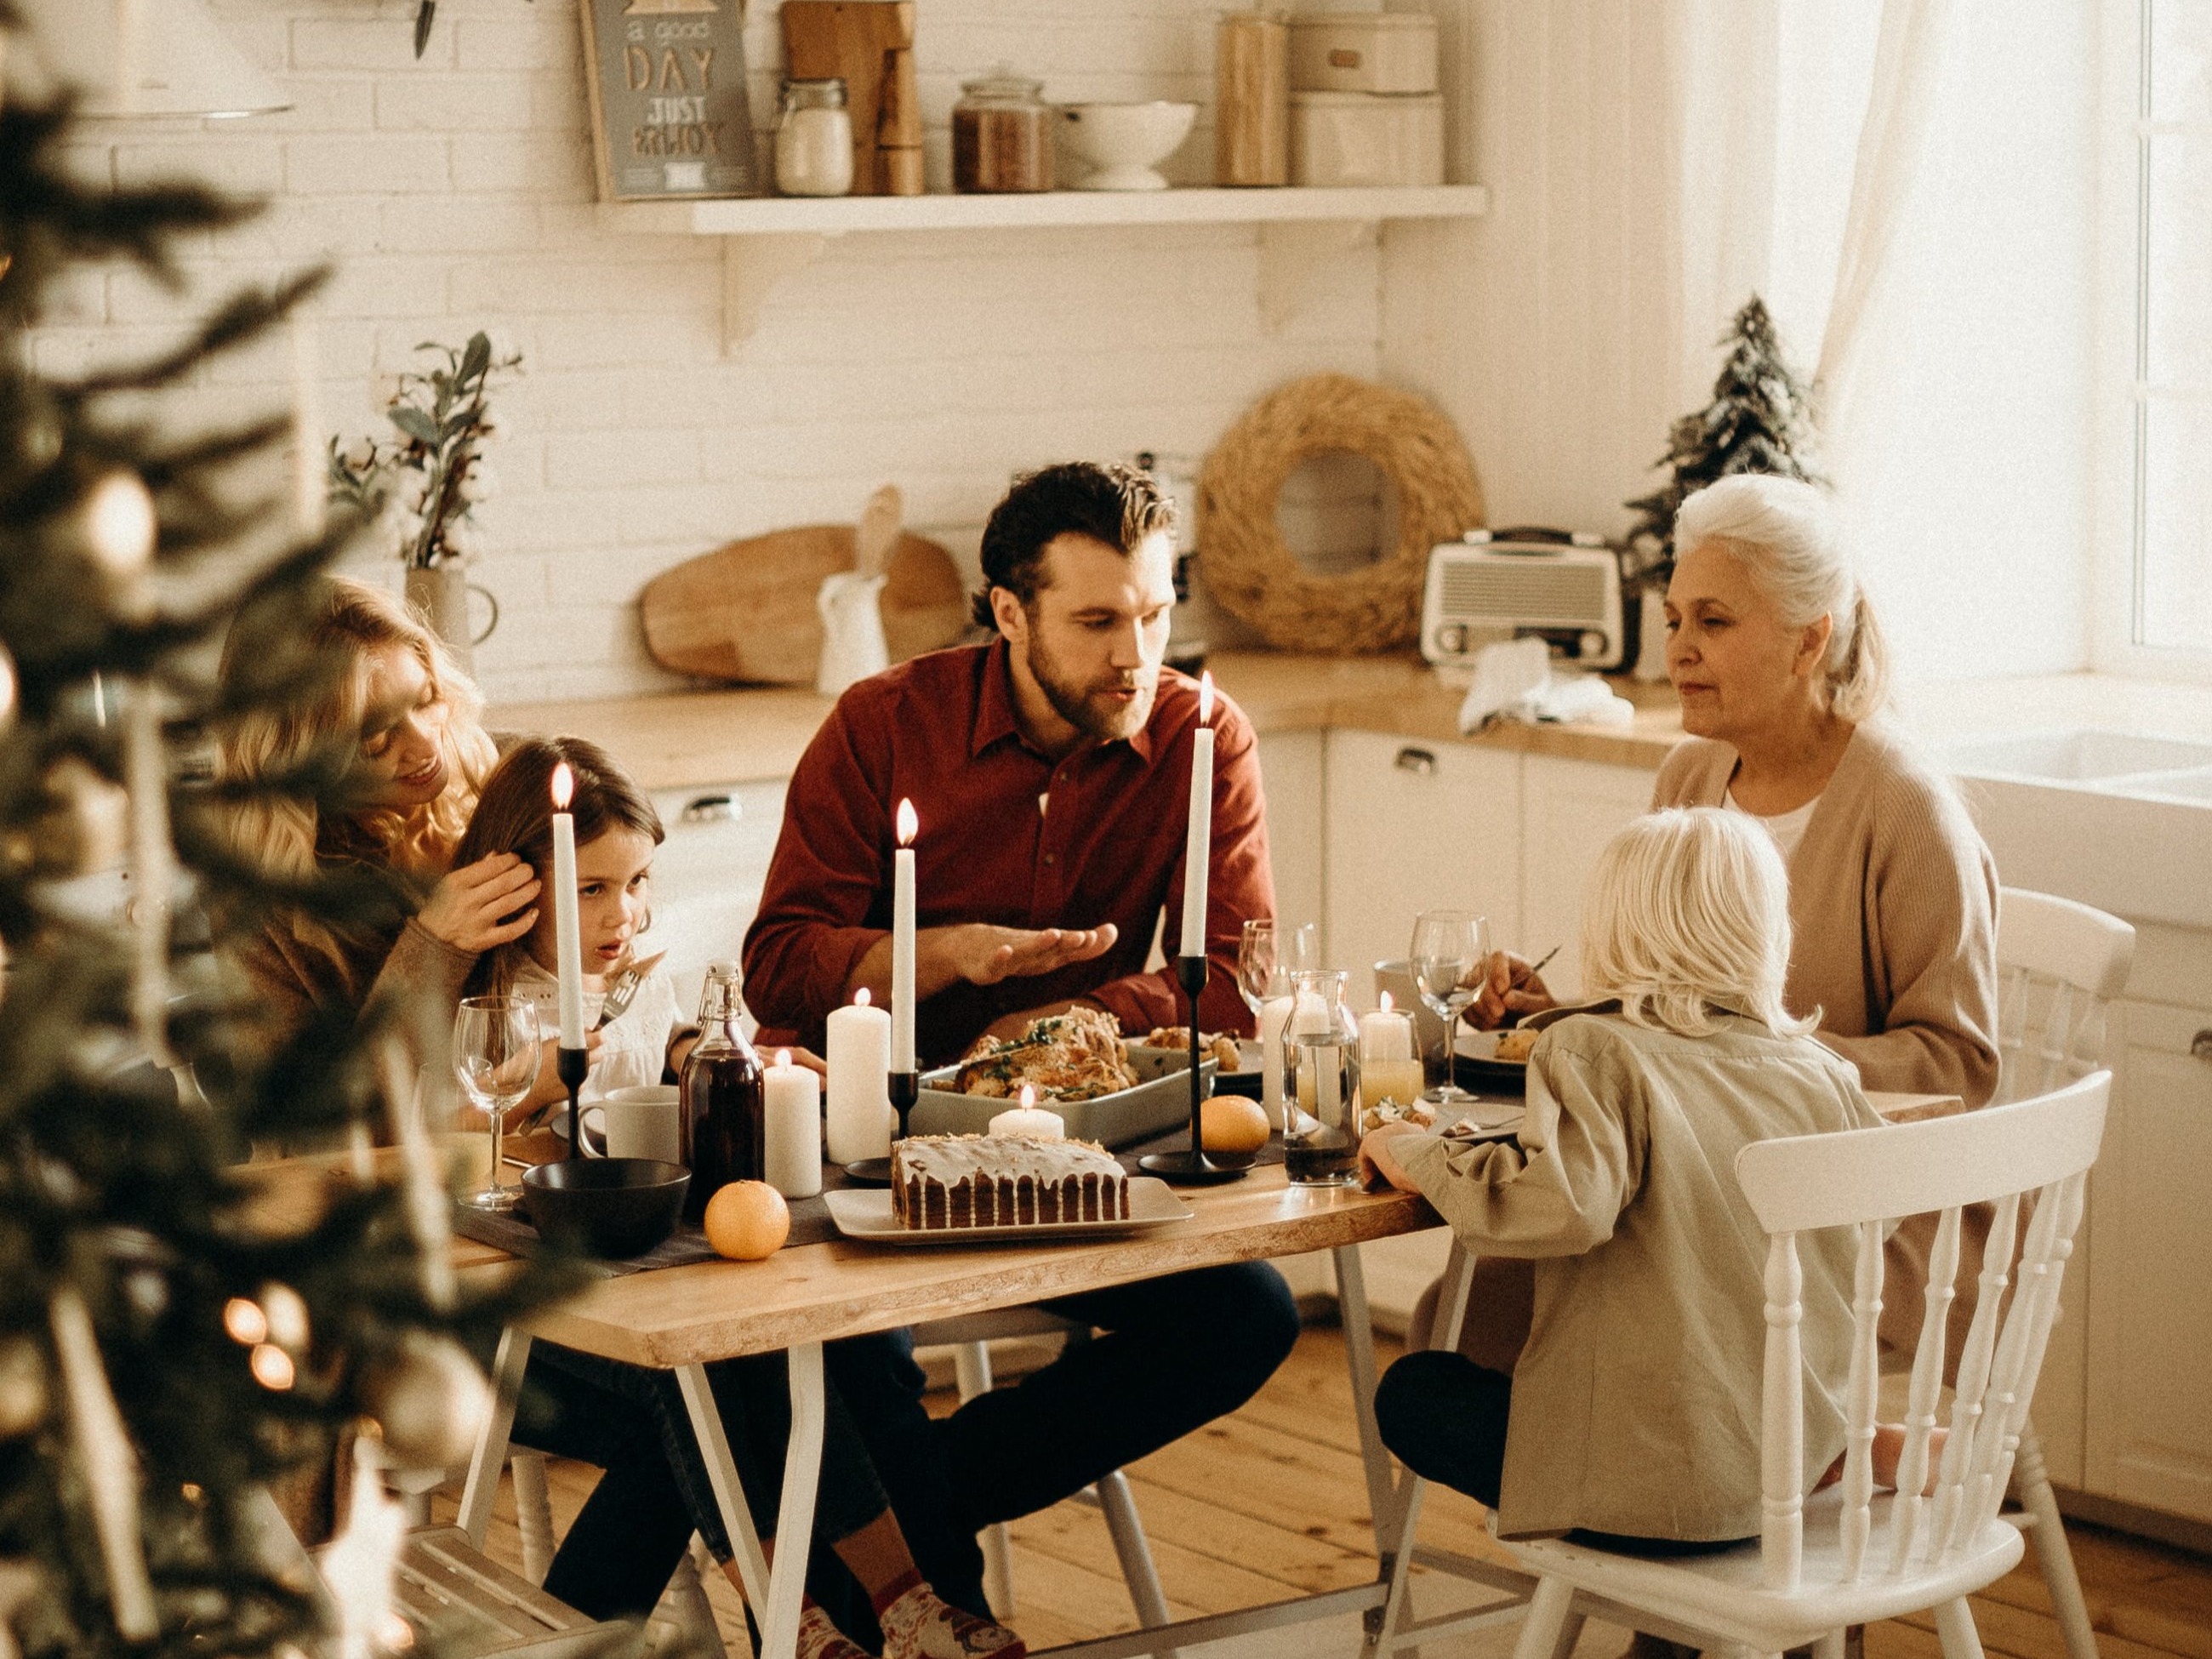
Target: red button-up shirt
x,y
1007,836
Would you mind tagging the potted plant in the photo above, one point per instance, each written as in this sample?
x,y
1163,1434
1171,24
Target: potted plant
x,y
423,485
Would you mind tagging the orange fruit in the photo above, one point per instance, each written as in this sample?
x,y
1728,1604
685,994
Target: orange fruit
x,y
747,1220
1232,1123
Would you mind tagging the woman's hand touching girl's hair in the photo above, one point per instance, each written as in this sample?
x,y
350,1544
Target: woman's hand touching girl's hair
x,y
475,908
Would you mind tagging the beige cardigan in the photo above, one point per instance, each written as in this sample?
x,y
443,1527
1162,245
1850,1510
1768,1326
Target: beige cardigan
x,y
1636,1402
1893,900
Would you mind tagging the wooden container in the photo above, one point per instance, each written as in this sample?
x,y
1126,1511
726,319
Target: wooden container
x,y
869,46
1251,99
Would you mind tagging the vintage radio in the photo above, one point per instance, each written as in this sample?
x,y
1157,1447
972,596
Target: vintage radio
x,y
1560,587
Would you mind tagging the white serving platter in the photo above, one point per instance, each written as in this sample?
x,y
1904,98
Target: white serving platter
x,y
864,1213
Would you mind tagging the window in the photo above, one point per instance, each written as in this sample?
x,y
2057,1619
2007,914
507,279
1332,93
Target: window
x,y
2170,402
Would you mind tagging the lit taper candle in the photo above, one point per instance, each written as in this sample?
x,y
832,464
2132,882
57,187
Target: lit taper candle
x,y
1199,842
568,932
902,940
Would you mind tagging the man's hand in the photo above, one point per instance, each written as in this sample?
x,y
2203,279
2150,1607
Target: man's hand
x,y
984,955
1378,1165
1511,989
467,906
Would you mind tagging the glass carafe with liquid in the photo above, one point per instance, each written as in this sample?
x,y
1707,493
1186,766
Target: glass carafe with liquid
x,y
1321,1083
724,1112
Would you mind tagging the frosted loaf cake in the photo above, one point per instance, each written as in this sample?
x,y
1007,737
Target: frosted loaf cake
x,y
940,1182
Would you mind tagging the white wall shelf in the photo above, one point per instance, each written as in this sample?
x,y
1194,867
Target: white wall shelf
x,y
768,238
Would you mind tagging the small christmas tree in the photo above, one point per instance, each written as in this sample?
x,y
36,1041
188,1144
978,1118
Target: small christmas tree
x,y
172,1340
1760,421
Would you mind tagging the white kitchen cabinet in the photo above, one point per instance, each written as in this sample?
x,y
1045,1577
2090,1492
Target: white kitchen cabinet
x,y
1569,810
1414,825
2148,1414
1290,772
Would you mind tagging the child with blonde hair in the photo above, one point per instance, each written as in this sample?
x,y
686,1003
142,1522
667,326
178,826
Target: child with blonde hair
x,y
1632,1417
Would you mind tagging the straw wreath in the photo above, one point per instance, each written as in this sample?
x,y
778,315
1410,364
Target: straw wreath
x,y
1244,560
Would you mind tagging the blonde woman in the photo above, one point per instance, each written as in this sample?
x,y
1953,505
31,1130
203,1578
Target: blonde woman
x,y
1632,1415
404,722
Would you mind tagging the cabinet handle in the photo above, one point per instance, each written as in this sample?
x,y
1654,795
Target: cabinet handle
x,y
711,809
1421,763
2201,1045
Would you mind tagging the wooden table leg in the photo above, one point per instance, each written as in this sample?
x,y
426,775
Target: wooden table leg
x,y
774,1596
490,1454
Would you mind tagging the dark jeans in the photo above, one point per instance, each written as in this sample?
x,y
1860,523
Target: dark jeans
x,y
631,1423
1445,1416
1172,1354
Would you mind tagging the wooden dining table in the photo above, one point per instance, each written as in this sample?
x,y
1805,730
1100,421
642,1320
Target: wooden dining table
x,y
681,1318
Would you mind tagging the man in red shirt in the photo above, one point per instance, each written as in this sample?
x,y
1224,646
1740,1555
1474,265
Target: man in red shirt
x,y
1050,771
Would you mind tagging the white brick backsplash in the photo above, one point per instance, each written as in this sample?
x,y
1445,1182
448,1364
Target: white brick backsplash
x,y
381,164
456,193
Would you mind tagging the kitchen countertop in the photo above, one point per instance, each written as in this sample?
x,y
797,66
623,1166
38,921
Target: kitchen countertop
x,y
684,739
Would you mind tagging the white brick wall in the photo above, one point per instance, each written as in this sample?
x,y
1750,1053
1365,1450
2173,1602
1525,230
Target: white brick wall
x,y
456,193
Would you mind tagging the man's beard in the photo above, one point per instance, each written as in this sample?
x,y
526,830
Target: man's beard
x,y
1075,702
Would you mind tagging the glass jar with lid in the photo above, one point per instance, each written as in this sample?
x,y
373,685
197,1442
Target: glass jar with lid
x,y
1002,136
814,139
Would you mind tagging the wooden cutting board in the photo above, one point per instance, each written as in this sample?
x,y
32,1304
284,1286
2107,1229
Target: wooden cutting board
x,y
859,42
746,612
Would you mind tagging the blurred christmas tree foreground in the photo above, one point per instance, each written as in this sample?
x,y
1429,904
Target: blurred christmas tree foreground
x,y
170,1340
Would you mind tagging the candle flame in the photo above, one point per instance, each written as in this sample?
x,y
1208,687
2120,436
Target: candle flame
x,y
1206,697
908,825
1028,1096
1388,1004
860,998
564,787
783,1059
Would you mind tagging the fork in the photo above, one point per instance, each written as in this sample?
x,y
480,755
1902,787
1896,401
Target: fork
x,y
623,991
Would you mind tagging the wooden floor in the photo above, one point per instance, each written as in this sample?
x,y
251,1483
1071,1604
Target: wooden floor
x,y
1271,1503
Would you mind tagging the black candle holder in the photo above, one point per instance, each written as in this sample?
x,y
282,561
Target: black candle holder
x,y
571,1066
905,1089
1195,1168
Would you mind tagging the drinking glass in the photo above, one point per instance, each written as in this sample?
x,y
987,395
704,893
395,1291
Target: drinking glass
x,y
1269,956
1448,946
495,1055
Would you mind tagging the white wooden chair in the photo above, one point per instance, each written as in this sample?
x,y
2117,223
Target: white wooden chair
x,y
970,1338
1843,1556
2060,965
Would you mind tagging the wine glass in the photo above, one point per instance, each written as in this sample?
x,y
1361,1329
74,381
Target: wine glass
x,y
495,1055
1268,956
1448,946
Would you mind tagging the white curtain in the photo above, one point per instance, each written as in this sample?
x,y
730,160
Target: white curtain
x,y
1911,187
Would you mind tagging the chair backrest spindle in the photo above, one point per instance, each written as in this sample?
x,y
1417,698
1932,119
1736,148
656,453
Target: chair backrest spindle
x,y
2059,963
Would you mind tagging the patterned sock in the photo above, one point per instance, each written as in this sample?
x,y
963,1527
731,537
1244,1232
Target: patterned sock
x,y
820,1639
917,1625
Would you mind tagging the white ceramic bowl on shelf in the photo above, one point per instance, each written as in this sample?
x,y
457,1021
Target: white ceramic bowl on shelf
x,y
1123,143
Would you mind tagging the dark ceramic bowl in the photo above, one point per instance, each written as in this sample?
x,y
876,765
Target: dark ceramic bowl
x,y
609,1208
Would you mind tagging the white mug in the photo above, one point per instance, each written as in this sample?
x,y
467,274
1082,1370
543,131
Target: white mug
x,y
641,1122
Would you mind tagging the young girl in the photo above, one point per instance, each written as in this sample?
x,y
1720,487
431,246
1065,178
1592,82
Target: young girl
x,y
617,833
628,1419
1633,1416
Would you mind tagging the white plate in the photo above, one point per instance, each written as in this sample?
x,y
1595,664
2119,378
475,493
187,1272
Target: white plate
x,y
865,1213
1483,1045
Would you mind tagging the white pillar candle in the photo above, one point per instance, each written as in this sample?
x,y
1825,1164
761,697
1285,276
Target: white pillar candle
x,y
794,1152
310,490
1030,1118
1274,1020
1198,841
567,932
860,1116
1386,1034
903,941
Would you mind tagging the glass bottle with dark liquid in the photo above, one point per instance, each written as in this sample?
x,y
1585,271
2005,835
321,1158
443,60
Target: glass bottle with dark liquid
x,y
724,1112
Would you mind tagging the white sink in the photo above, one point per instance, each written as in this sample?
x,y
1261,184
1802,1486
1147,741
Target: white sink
x,y
2112,819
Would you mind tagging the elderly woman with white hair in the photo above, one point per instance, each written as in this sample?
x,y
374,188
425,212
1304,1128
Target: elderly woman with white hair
x,y
1624,1420
1774,651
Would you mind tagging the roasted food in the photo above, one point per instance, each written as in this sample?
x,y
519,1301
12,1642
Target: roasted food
x,y
940,1182
1514,1045
1217,1046
1075,1055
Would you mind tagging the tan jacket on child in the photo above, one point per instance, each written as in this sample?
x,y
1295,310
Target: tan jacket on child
x,y
1636,1402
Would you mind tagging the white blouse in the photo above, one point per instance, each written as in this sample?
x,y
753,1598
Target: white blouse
x,y
1787,828
633,1047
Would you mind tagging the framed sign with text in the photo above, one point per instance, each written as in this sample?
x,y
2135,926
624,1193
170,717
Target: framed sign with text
x,y
670,117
